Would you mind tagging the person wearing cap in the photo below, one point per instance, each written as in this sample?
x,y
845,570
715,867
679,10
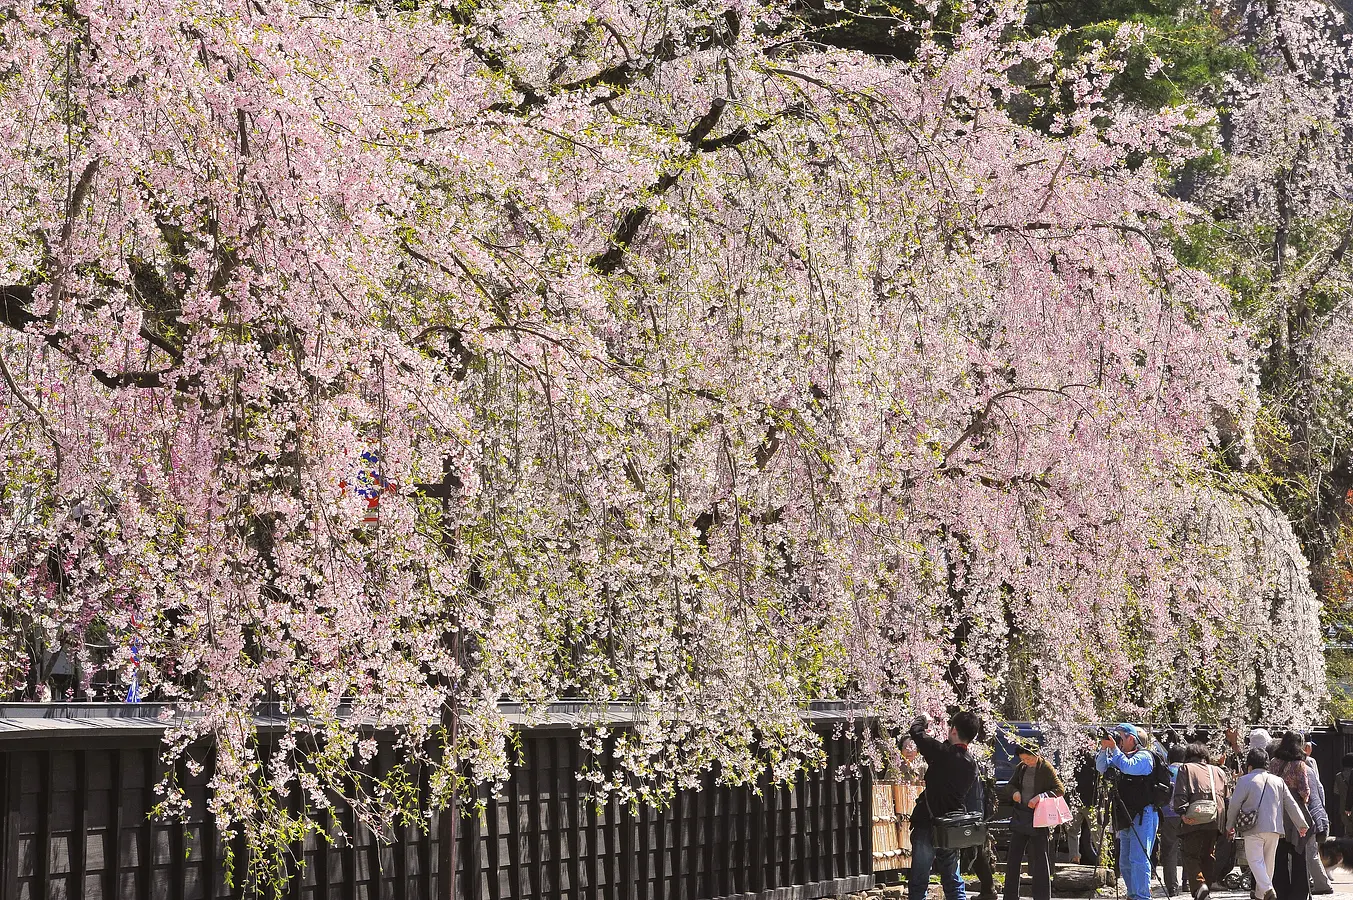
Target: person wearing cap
x,y
1315,867
1134,817
1033,781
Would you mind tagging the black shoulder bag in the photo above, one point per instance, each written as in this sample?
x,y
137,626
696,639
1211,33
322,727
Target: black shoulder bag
x,y
1246,819
956,830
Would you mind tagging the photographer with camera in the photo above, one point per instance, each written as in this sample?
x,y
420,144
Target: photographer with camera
x,y
1135,772
950,773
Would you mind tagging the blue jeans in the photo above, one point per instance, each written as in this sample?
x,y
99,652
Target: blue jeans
x,y
925,859
1134,854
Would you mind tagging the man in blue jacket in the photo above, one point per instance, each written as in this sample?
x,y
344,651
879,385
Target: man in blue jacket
x,y
1131,765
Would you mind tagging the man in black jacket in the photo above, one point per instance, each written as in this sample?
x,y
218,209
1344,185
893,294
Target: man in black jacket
x,y
950,773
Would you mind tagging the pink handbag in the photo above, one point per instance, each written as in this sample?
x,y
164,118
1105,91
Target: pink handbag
x,y
1051,812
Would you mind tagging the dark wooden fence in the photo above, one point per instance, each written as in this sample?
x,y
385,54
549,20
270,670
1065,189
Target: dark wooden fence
x,y
77,790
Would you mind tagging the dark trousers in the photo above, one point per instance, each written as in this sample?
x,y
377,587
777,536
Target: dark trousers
x,y
925,858
1085,848
1226,860
1290,881
1035,846
1168,841
1199,849
984,867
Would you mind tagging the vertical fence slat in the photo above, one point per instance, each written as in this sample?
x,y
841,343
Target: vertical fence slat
x,y
399,833
644,851
813,816
425,855
595,879
865,816
146,831
210,834
681,863
9,870
43,851
756,837
514,832
178,844
842,821
377,889
536,837
112,842
574,809
557,757
321,861
619,845
665,857
472,856
493,810
715,870
78,845
738,834
827,842
613,855
350,850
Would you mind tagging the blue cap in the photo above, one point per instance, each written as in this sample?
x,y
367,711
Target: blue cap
x,y
1127,728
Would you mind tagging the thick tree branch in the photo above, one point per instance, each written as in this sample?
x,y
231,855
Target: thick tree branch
x,y
15,300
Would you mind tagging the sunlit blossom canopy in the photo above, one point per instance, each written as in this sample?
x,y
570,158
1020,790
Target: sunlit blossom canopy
x,y
404,360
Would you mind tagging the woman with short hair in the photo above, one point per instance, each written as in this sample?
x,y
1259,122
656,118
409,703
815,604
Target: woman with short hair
x,y
1266,799
1033,780
1198,784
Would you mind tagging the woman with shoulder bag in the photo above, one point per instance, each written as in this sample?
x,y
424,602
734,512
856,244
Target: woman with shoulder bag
x,y
1199,799
1256,813
1033,782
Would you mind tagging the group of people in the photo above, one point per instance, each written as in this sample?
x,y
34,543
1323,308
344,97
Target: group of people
x,y
1177,802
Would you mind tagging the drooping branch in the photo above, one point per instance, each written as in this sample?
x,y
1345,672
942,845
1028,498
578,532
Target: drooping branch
x,y
982,417
699,141
619,77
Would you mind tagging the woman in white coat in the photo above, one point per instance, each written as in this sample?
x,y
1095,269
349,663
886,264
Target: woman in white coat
x,y
1267,798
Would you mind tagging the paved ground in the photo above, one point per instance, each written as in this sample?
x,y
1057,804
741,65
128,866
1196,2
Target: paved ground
x,y
1341,878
